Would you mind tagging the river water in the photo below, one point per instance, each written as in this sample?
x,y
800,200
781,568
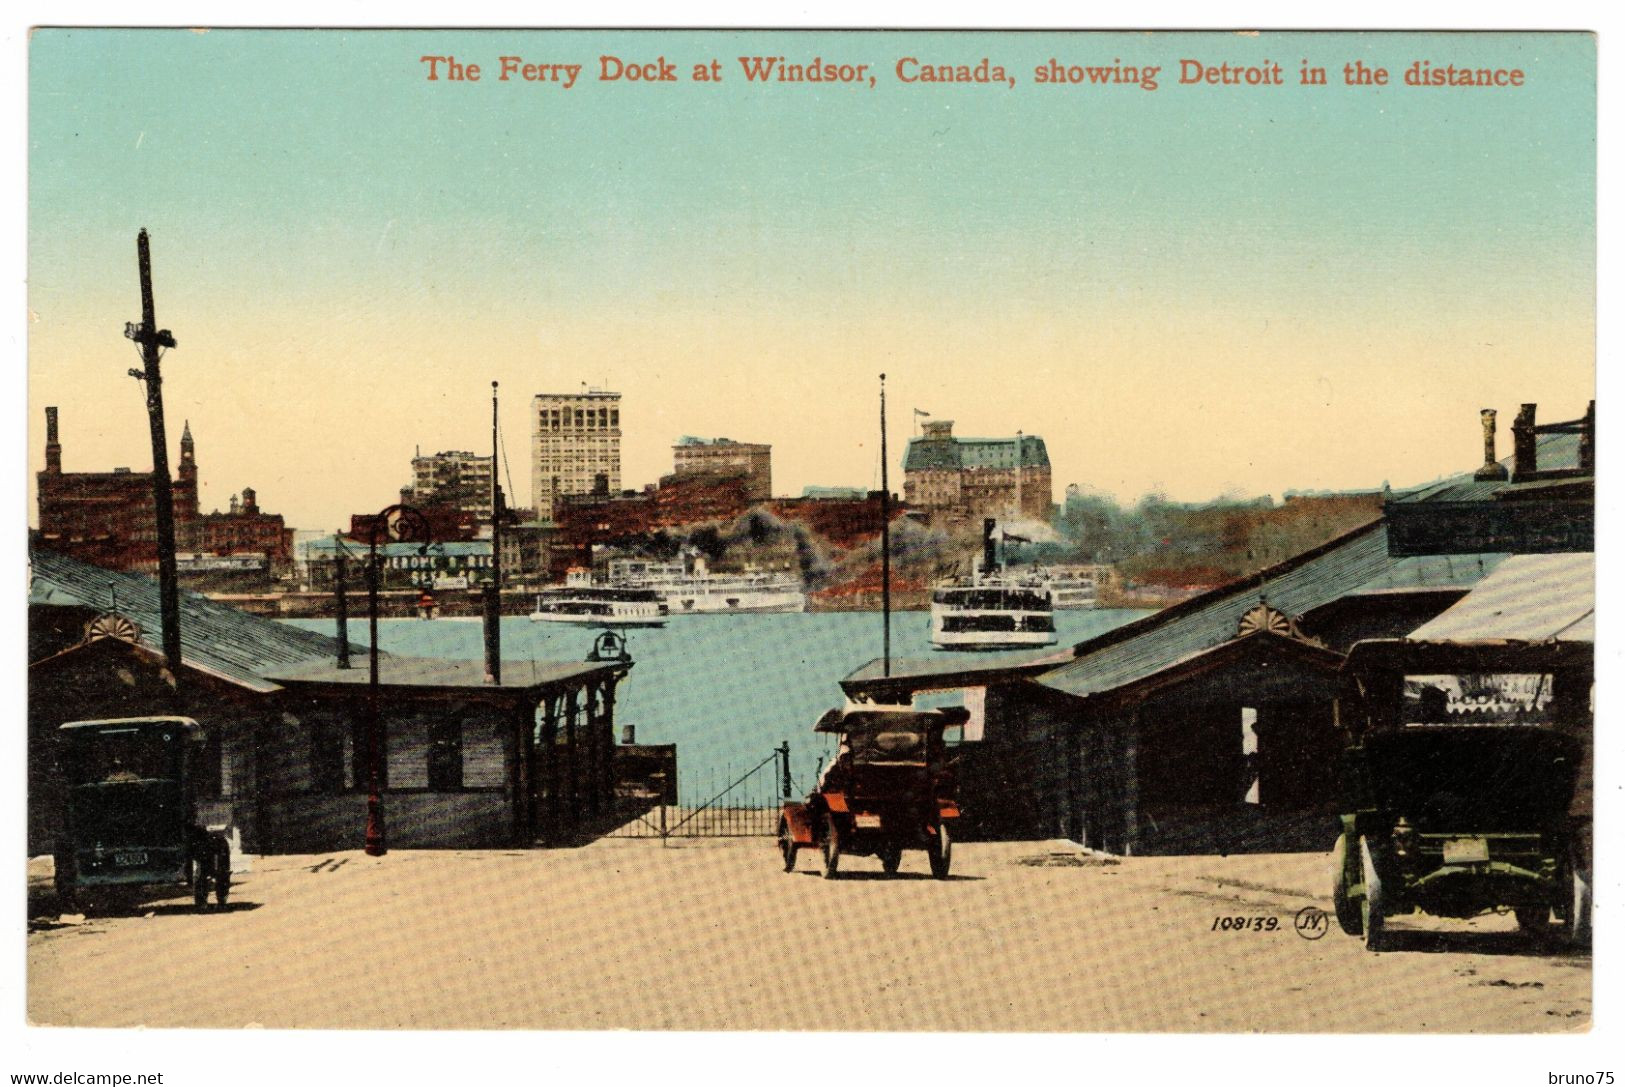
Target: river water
x,y
726,689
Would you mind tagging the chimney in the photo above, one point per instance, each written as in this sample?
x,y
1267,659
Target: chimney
x,y
53,448
1491,470
1523,444
989,559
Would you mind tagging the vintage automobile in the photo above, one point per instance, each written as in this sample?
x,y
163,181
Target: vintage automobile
x,y
133,819
1454,820
889,788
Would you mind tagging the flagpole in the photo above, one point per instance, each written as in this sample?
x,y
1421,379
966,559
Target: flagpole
x,y
885,540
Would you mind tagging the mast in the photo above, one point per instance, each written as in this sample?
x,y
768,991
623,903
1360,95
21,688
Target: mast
x,y
150,338
493,591
496,499
885,539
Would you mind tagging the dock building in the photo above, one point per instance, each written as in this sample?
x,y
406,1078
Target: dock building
x,y
1212,726
468,762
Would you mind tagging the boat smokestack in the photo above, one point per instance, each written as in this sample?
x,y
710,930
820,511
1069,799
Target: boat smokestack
x,y
492,601
990,561
1491,469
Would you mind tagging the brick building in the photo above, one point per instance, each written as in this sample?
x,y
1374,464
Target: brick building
x,y
109,519
244,529
971,478
694,458
844,522
454,479
575,446
586,520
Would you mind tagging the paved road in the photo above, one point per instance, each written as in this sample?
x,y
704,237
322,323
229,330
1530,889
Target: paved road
x,y
712,935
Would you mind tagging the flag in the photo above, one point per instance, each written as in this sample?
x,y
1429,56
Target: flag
x,y
927,414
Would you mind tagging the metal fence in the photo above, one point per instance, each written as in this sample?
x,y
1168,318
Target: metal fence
x,y
727,806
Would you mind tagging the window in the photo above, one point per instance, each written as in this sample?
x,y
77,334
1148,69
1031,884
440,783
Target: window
x,y
445,754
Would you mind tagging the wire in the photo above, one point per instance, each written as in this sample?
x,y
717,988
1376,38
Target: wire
x,y
507,468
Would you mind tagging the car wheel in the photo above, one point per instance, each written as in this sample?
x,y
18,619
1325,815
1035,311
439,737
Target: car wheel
x,y
891,857
1535,920
222,877
787,845
1373,908
66,883
832,848
1346,909
941,852
200,886
1579,919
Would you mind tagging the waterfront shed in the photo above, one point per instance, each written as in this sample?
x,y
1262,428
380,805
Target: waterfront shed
x,y
469,763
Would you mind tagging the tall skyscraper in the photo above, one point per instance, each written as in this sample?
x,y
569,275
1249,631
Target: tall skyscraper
x,y
575,446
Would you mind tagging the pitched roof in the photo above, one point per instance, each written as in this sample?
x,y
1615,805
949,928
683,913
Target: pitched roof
x,y
1552,452
950,670
1530,598
1132,652
955,453
436,672
215,638
1429,572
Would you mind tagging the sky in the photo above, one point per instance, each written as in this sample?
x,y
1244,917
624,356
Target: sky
x,y
1192,291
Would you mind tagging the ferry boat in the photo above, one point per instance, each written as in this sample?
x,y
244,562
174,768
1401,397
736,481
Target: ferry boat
x,y
688,588
992,609
1073,586
992,612
585,604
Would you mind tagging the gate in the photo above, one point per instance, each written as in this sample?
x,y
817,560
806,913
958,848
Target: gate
x,y
747,805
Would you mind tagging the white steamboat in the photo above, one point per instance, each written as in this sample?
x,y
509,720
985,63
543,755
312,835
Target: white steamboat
x,y
689,588
991,610
584,604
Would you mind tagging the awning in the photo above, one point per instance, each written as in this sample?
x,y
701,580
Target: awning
x,y
1528,598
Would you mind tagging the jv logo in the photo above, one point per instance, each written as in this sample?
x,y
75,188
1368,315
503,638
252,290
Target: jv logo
x,y
1310,923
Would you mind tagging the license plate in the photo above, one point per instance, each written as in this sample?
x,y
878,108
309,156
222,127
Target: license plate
x,y
1466,851
129,860
870,821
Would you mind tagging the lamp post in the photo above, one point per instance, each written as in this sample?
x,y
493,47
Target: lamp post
x,y
399,524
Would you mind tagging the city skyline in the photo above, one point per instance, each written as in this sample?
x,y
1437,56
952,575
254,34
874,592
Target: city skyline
x,y
1191,291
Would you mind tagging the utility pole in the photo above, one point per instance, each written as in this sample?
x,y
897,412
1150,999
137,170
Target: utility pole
x,y
149,337
496,499
493,592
